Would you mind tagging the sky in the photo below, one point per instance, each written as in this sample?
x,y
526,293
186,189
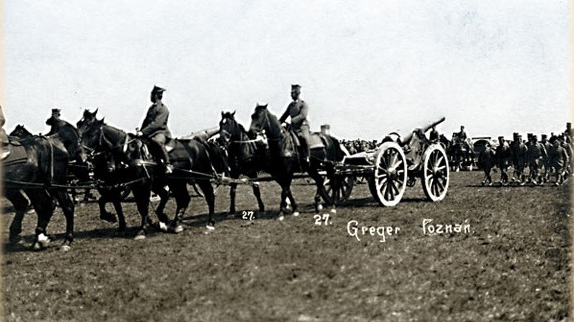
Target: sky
x,y
366,67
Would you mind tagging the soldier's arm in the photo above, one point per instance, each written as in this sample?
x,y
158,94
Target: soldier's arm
x,y
302,113
283,117
158,122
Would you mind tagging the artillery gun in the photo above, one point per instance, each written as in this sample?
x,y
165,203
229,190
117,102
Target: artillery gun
x,y
396,163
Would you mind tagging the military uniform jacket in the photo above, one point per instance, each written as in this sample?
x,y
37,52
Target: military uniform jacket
x,y
558,157
536,151
519,151
503,154
56,125
298,111
156,120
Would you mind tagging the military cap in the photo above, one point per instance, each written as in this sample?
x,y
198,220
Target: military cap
x,y
325,126
56,111
501,137
295,87
157,89
553,139
544,136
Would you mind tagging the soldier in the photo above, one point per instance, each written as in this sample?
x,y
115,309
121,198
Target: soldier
x,y
486,160
155,127
55,122
536,152
298,111
462,134
519,152
558,159
3,137
503,159
434,135
546,159
568,131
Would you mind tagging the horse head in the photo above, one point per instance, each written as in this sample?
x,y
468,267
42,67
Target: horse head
x,y
263,121
87,119
228,127
21,132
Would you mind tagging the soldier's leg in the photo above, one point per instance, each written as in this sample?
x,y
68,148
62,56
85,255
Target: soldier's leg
x,y
160,139
305,137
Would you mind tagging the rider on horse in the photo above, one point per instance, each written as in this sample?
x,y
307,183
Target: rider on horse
x,y
155,127
55,122
298,111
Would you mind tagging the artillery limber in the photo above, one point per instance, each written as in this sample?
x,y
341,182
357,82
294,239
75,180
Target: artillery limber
x,y
395,164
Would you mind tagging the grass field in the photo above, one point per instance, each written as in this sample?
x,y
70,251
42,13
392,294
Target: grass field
x,y
513,264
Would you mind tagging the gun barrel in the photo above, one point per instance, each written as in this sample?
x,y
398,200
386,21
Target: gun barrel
x,y
425,128
203,134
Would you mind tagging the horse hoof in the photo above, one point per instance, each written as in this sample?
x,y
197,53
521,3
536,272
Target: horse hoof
x,y
296,214
140,236
162,227
319,207
208,226
333,211
281,218
176,230
65,248
108,216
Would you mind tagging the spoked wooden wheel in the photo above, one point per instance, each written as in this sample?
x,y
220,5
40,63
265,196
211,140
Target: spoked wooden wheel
x,y
338,188
435,175
389,179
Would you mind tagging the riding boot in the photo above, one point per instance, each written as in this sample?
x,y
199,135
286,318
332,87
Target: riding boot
x,y
168,167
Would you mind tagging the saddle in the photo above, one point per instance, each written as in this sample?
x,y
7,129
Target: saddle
x,y
14,154
293,146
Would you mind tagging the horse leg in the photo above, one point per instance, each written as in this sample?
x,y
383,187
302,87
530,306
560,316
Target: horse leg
x,y
232,192
142,194
67,205
159,210
257,193
207,189
283,203
42,202
314,174
21,205
106,196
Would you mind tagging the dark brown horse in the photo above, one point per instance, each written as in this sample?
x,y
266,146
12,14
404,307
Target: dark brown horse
x,y
283,163
126,161
245,156
38,167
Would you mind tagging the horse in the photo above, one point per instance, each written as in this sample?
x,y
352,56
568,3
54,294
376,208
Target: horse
x,y
128,161
78,171
37,167
244,156
462,154
282,162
